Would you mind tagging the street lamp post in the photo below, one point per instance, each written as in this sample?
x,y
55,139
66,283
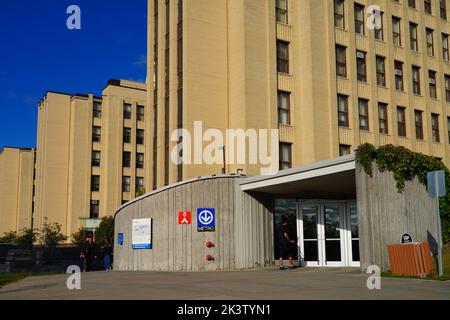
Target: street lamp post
x,y
222,147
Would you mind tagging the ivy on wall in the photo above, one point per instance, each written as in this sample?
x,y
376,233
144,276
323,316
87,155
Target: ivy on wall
x,y
406,165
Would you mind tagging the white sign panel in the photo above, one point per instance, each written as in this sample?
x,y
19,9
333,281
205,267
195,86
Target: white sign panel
x,y
142,234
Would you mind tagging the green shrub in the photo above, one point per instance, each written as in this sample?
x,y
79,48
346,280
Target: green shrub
x,y
406,165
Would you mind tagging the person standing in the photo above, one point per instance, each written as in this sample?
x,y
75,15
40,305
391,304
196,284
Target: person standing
x,y
286,244
88,253
107,253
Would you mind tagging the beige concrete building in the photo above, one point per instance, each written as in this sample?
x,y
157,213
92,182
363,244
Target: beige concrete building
x,y
91,154
16,189
314,69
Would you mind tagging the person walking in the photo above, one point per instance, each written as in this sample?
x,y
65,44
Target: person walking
x,y
88,254
286,244
107,253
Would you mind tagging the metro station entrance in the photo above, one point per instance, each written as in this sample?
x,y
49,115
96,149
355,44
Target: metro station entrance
x,y
326,231
328,234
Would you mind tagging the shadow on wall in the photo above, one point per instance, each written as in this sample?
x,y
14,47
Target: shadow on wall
x,y
432,242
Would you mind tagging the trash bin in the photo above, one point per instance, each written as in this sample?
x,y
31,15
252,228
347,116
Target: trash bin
x,y
412,259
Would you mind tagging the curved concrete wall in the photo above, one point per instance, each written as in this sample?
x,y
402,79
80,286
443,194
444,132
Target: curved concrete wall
x,y
243,237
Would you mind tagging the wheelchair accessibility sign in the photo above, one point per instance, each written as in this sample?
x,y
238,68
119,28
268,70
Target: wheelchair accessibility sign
x,y
206,220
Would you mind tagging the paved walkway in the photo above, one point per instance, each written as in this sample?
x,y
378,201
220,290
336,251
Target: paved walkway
x,y
302,283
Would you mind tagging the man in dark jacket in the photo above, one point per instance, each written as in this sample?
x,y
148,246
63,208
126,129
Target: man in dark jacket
x,y
89,253
286,244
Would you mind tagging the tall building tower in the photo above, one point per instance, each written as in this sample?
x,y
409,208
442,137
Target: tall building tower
x,y
314,69
16,189
91,154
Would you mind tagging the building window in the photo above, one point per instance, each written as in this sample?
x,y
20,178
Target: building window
x,y
339,14
140,113
127,111
341,61
381,71
284,106
96,134
283,57
435,127
413,37
126,159
427,6
443,9
419,124
383,118
416,79
126,135
412,3
430,44
126,184
363,109
359,19
344,150
361,66
282,11
379,32
95,183
285,156
95,209
447,88
139,136
401,121
140,161
448,129
396,31
139,184
96,158
97,110
445,54
398,75
432,82
343,111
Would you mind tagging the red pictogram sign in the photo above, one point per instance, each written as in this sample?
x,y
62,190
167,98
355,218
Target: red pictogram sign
x,y
184,217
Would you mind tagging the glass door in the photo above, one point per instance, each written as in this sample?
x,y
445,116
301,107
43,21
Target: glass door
x,y
308,226
332,230
321,226
353,235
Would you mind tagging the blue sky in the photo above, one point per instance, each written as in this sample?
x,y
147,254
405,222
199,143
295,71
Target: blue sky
x,y
39,54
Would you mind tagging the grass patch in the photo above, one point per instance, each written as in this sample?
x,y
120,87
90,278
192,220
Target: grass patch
x,y
434,274
7,278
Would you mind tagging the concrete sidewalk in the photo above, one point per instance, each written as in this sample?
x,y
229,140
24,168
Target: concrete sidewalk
x,y
305,283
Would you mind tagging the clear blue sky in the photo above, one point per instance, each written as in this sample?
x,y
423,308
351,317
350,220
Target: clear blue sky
x,y
39,54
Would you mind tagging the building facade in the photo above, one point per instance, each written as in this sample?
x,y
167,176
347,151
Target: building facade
x,y
91,154
315,70
16,189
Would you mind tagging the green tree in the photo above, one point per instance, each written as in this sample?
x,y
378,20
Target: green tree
x,y
50,234
140,192
27,237
9,237
79,237
105,230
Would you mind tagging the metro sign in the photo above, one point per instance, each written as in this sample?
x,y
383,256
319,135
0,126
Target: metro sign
x,y
184,217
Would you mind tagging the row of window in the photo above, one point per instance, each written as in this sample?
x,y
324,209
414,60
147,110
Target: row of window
x,y
126,159
140,134
126,182
363,114
127,111
341,70
339,17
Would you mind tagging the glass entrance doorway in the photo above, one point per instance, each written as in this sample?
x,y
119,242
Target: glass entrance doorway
x,y
328,233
